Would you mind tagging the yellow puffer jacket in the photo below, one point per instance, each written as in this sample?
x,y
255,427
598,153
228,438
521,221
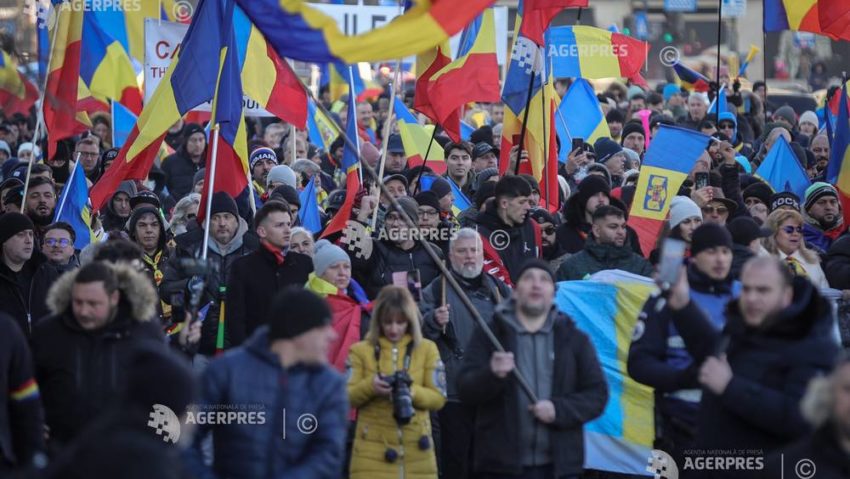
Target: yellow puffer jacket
x,y
377,430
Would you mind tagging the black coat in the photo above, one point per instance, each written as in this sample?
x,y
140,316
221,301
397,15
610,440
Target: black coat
x,y
179,172
572,237
80,373
579,395
27,306
771,368
21,418
837,264
523,241
253,282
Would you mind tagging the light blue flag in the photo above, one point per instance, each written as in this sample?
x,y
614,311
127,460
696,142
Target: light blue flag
x,y
579,116
123,121
74,208
309,211
782,170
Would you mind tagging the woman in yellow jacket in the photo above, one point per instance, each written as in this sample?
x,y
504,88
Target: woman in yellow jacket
x,y
393,436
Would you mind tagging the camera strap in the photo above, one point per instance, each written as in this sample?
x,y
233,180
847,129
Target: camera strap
x,y
407,354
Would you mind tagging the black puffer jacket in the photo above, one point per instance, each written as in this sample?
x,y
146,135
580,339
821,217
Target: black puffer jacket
x,y
27,306
514,244
837,265
80,373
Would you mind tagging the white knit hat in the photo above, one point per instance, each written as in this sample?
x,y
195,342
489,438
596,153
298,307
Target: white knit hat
x,y
282,174
682,208
810,117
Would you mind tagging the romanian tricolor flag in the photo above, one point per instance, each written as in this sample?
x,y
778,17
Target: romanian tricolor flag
x,y
63,72
824,17
17,93
74,208
620,440
538,14
668,161
690,79
335,76
589,52
321,130
473,76
301,32
127,25
351,166
428,63
838,171
579,116
416,139
105,67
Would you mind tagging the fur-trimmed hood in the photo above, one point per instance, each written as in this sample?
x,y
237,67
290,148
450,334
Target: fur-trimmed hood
x,y
138,296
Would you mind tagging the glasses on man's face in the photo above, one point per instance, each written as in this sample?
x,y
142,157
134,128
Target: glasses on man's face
x,y
61,242
427,213
727,126
86,154
792,229
710,210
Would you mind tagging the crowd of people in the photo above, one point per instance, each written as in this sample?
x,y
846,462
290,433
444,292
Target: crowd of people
x,y
355,352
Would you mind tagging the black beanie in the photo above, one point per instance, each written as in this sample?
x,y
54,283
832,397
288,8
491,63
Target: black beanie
x,y
286,193
223,203
759,190
482,135
632,127
710,235
12,224
428,198
190,129
295,311
589,186
535,263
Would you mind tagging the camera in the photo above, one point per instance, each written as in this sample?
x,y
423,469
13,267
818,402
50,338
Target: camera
x,y
402,400
199,271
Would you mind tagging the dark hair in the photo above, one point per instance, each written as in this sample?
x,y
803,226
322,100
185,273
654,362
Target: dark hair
x,y
706,124
61,225
40,180
117,250
654,98
95,272
512,186
759,84
607,210
269,208
38,168
463,145
638,96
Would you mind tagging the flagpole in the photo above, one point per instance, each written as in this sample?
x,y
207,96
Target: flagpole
x,y
764,74
207,215
292,148
545,146
525,116
64,197
387,128
425,160
717,68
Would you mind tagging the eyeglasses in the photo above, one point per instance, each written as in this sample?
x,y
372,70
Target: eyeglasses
x,y
726,126
429,212
88,154
792,229
710,210
51,242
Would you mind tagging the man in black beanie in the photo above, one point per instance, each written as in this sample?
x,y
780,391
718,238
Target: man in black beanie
x,y
25,273
282,372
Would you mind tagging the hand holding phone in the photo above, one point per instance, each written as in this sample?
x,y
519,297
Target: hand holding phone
x,y
701,179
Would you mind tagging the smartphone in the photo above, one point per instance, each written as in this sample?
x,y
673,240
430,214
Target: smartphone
x,y
672,254
701,179
578,144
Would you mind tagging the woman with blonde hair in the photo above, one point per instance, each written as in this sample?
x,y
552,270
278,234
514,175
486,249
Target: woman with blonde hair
x,y
787,244
396,379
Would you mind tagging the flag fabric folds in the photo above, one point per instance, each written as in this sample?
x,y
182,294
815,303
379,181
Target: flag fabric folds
x,y
321,130
127,25
589,52
782,170
335,77
299,31
824,17
670,158
838,171
428,63
538,14
473,76
123,121
719,101
690,79
74,208
834,16
416,138
308,214
105,67
17,93
579,116
620,440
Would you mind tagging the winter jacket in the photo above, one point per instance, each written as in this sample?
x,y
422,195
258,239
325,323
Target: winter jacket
x,y
179,171
81,372
506,248
572,237
221,257
21,417
251,375
111,220
740,255
377,429
579,393
253,282
27,305
485,292
351,312
821,448
597,257
837,264
771,367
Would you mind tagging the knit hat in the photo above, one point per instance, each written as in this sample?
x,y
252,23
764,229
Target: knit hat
x,y
440,187
670,89
410,207
335,200
787,113
428,198
759,190
710,235
633,91
282,174
484,175
109,155
262,153
629,128
784,198
482,135
294,311
326,255
369,153
744,230
145,197
606,148
809,117
540,215
682,208
190,129
223,203
12,224
199,176
590,186
817,191
10,183
287,194
535,263
15,195
27,146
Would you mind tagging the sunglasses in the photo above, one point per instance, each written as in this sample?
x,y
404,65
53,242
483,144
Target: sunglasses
x,y
710,210
792,229
51,242
724,126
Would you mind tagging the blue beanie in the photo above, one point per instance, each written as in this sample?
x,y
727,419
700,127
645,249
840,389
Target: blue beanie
x,y
670,89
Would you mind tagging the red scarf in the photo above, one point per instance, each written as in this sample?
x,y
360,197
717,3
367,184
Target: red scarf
x,y
278,254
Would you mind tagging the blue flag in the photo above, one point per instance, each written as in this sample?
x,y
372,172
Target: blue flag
x,y
309,211
74,208
579,116
782,170
466,130
123,121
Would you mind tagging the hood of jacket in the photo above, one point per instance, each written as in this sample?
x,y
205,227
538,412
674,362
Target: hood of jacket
x,y
137,293
235,242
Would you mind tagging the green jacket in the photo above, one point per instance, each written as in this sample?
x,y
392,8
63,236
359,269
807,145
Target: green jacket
x,y
599,257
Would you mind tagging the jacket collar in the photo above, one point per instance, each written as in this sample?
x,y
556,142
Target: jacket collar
x,y
700,281
605,252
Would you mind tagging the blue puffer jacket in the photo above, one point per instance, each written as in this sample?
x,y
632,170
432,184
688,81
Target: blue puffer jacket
x,y
302,434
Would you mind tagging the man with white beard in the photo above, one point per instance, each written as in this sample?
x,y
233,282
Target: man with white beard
x,y
449,324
